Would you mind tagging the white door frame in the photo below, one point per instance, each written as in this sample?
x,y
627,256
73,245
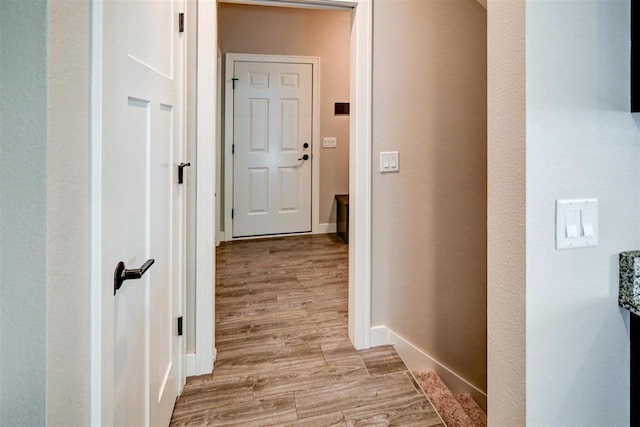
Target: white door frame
x,y
359,170
230,59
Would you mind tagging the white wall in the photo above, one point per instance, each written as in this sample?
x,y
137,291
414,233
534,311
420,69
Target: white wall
x,y
23,215
44,217
581,142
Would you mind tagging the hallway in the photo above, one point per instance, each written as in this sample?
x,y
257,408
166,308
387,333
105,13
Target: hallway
x,y
284,357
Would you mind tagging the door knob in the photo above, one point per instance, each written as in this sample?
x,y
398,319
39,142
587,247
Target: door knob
x,y
305,157
305,145
181,167
121,273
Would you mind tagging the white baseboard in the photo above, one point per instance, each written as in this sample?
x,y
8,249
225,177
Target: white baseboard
x,y
321,229
194,367
379,335
326,228
191,363
220,238
417,360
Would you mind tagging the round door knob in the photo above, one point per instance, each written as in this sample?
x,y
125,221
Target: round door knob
x,y
305,145
305,157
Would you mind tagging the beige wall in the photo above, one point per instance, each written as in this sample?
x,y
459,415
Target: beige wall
x,y
289,31
68,214
429,220
506,225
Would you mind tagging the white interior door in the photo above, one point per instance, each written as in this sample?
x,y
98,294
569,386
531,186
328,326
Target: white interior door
x,y
272,148
142,207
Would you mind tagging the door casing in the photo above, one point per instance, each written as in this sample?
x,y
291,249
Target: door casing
x,y
230,59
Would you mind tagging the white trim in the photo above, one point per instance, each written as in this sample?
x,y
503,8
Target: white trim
x,y
205,188
379,336
359,165
360,175
316,4
230,60
192,363
219,142
416,359
98,388
183,200
228,156
325,228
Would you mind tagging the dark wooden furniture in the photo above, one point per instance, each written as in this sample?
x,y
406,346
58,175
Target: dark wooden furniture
x,y
342,216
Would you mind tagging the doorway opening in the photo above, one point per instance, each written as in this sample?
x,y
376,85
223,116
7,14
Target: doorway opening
x,y
200,360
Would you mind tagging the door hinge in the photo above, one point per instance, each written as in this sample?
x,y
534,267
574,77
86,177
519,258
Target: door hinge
x,y
180,326
231,213
233,148
233,83
181,22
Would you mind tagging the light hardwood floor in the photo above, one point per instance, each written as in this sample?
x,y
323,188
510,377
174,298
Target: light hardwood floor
x,y
284,357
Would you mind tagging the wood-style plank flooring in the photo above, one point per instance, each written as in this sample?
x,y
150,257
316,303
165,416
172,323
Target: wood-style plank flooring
x,y
284,358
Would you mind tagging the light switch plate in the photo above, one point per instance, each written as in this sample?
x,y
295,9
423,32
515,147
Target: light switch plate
x,y
389,161
329,142
576,223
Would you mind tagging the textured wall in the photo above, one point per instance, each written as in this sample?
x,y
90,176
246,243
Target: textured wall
x,y
506,288
68,244
429,220
581,142
304,32
23,211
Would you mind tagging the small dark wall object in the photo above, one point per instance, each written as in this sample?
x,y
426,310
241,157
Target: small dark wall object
x,y
342,109
342,217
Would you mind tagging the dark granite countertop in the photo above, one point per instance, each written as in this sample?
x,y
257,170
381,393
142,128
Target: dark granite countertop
x,y
629,294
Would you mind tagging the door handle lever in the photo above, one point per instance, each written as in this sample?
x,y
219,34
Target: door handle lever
x,y
305,157
121,273
181,167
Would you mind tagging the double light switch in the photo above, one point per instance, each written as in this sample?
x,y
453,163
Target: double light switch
x,y
576,223
389,161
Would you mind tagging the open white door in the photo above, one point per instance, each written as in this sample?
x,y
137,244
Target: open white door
x,y
142,211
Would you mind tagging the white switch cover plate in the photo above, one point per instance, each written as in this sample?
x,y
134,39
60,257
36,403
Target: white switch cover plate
x,y
576,223
389,161
330,142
